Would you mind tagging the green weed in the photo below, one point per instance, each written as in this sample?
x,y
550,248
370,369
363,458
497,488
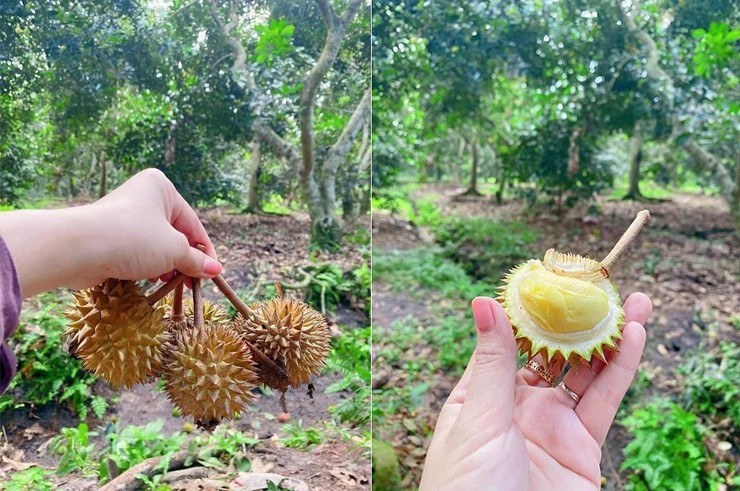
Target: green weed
x,y
652,260
712,384
75,449
31,479
425,213
299,437
275,204
422,270
134,444
667,451
329,286
455,340
45,372
485,249
350,356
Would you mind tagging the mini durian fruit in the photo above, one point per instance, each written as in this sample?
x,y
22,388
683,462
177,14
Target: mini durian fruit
x,y
116,333
209,373
565,307
291,334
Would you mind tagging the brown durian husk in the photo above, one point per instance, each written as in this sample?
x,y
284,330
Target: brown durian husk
x,y
116,333
292,334
209,373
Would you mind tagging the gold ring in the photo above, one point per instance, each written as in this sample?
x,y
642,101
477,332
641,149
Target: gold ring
x,y
543,372
572,394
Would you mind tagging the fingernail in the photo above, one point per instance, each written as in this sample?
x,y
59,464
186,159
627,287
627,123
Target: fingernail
x,y
211,267
483,315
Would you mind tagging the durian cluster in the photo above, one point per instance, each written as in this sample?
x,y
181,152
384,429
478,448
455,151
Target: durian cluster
x,y
209,370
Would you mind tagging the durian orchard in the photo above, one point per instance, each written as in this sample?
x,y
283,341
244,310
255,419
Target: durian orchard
x,y
209,363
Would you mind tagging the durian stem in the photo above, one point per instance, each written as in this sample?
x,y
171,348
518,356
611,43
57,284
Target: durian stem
x,y
177,313
165,289
242,308
198,319
231,295
626,240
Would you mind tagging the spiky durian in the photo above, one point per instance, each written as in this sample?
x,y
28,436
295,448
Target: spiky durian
x,y
565,307
116,333
209,373
292,334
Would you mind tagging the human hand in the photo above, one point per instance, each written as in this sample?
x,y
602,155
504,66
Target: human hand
x,y
147,230
143,229
507,430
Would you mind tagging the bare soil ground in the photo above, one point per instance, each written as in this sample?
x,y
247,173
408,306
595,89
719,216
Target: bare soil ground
x,y
254,249
686,260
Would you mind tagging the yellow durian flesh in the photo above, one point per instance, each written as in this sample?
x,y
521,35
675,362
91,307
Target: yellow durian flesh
x,y
566,311
562,304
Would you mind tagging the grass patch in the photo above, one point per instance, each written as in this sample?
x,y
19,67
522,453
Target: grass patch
x,y
419,271
483,248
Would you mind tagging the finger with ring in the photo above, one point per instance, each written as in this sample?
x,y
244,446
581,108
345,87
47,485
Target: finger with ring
x,y
572,394
543,372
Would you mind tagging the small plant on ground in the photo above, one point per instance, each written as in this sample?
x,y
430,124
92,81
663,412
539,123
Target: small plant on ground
x,y
45,372
350,357
712,385
484,248
75,450
415,271
135,444
667,451
31,479
299,437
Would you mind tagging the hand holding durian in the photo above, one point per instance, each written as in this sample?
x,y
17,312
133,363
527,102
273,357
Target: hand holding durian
x,y
210,363
142,229
145,229
503,428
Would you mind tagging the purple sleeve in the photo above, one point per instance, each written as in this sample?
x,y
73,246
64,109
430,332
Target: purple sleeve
x,y
10,309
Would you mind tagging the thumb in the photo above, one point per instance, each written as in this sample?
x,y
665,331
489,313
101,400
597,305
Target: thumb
x,y
192,262
490,395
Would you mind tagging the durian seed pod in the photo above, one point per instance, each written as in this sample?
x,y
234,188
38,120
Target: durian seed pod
x,y
292,334
209,373
564,307
209,370
116,332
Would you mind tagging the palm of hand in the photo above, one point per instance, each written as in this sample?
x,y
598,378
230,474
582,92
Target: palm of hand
x,y
507,430
559,448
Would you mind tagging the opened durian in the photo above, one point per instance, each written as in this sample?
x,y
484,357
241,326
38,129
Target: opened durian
x,y
116,332
565,307
209,373
290,333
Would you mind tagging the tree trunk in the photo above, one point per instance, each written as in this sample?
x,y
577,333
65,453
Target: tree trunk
x,y
473,189
319,196
348,185
103,177
706,160
253,203
501,186
735,204
633,193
